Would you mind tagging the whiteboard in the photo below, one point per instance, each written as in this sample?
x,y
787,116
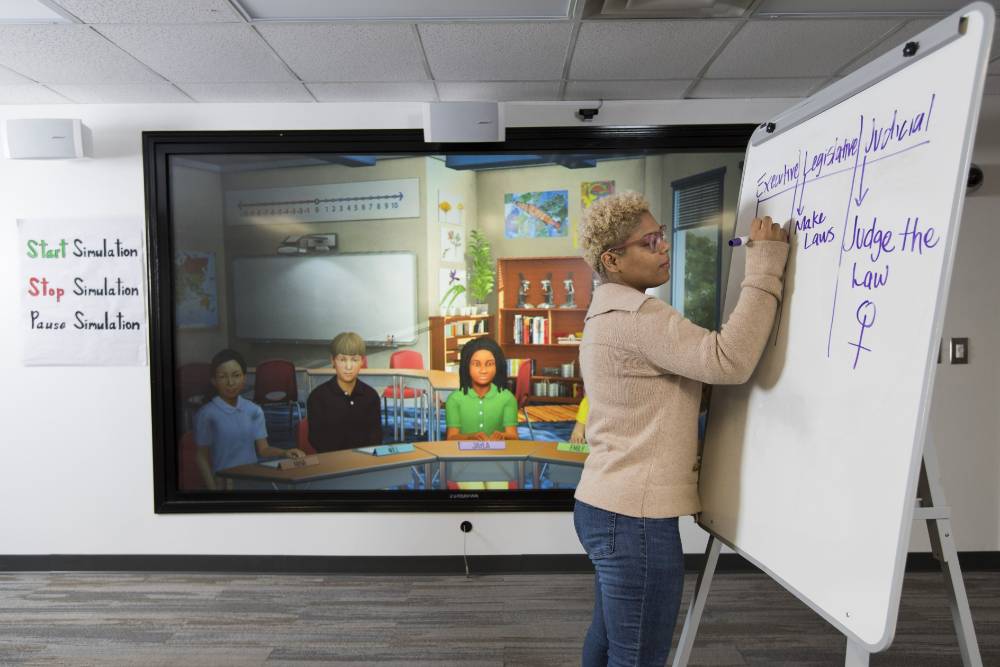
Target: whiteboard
x,y
313,298
810,469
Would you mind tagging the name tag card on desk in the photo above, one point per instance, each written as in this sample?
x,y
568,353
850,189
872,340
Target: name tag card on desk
x,y
575,447
286,464
386,450
482,445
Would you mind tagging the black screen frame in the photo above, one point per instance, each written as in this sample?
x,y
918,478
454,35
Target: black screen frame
x,y
157,149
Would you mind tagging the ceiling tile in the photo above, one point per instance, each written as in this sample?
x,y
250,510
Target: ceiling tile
x,y
125,93
416,91
728,88
247,92
7,76
151,11
646,49
32,93
797,48
626,90
404,10
208,52
348,52
31,11
500,91
910,29
860,7
68,54
496,51
992,85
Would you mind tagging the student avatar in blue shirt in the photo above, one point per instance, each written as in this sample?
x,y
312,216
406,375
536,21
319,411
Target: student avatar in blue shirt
x,y
230,430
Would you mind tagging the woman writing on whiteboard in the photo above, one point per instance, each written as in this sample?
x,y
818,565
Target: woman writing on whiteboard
x,y
643,365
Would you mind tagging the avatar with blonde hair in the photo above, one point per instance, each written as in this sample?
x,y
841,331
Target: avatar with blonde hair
x,y
344,412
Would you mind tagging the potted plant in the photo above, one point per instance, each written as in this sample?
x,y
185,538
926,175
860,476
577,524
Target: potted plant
x,y
481,269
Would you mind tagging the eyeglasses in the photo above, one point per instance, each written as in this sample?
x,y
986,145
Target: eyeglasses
x,y
652,240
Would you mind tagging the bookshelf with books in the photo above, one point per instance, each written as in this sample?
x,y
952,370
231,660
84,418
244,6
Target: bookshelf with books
x,y
549,337
449,334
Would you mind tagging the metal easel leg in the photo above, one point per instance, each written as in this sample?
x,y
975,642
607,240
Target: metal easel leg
x,y
693,618
934,510
857,655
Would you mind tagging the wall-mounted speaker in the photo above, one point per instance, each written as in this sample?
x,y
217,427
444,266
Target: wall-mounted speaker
x,y
451,122
45,139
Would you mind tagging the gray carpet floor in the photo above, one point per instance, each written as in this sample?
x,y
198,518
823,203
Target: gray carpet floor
x,y
213,620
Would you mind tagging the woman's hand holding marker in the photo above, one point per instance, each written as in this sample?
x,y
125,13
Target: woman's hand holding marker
x,y
762,229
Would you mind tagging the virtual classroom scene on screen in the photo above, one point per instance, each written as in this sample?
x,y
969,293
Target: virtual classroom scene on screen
x,y
322,304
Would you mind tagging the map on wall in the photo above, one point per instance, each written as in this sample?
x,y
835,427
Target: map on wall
x,y
331,202
536,214
197,297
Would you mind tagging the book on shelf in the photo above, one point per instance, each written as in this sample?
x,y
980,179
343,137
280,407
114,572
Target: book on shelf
x,y
530,330
465,328
514,365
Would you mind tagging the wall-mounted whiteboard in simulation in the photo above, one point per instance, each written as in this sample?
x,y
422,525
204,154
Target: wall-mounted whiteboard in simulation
x,y
314,298
810,469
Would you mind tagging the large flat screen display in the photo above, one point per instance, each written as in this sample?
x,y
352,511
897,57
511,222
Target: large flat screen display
x,y
353,321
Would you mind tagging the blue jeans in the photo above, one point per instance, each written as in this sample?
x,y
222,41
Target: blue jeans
x,y
638,581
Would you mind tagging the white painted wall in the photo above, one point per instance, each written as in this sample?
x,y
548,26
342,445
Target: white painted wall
x,y
77,466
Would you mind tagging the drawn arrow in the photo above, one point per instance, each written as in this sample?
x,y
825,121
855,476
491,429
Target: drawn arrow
x,y
861,187
798,209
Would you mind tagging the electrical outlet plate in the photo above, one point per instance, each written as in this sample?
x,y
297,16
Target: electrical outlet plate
x,y
959,350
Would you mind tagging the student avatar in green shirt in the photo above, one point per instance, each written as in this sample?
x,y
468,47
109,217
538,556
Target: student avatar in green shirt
x,y
483,408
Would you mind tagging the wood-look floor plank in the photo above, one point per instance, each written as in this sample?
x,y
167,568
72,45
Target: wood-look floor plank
x,y
161,619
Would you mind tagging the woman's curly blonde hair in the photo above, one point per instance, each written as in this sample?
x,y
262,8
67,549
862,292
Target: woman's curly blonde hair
x,y
608,223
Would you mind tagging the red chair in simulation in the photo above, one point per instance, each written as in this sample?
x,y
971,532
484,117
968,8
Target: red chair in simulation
x,y
302,437
522,391
189,476
274,382
415,360
194,388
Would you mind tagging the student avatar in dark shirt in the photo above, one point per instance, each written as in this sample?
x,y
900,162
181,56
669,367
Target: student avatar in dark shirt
x,y
345,413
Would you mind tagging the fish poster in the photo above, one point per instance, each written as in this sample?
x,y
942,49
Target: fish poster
x,y
591,191
536,214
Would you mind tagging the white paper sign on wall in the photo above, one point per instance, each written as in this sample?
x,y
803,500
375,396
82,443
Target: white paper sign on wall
x,y
82,293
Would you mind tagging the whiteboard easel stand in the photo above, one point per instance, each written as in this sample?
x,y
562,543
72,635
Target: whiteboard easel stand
x,y
932,508
930,502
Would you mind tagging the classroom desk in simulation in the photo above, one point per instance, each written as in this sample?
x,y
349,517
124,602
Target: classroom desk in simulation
x,y
353,470
342,470
448,452
547,452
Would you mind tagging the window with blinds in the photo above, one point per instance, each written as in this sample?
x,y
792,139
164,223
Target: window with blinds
x,y
697,246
